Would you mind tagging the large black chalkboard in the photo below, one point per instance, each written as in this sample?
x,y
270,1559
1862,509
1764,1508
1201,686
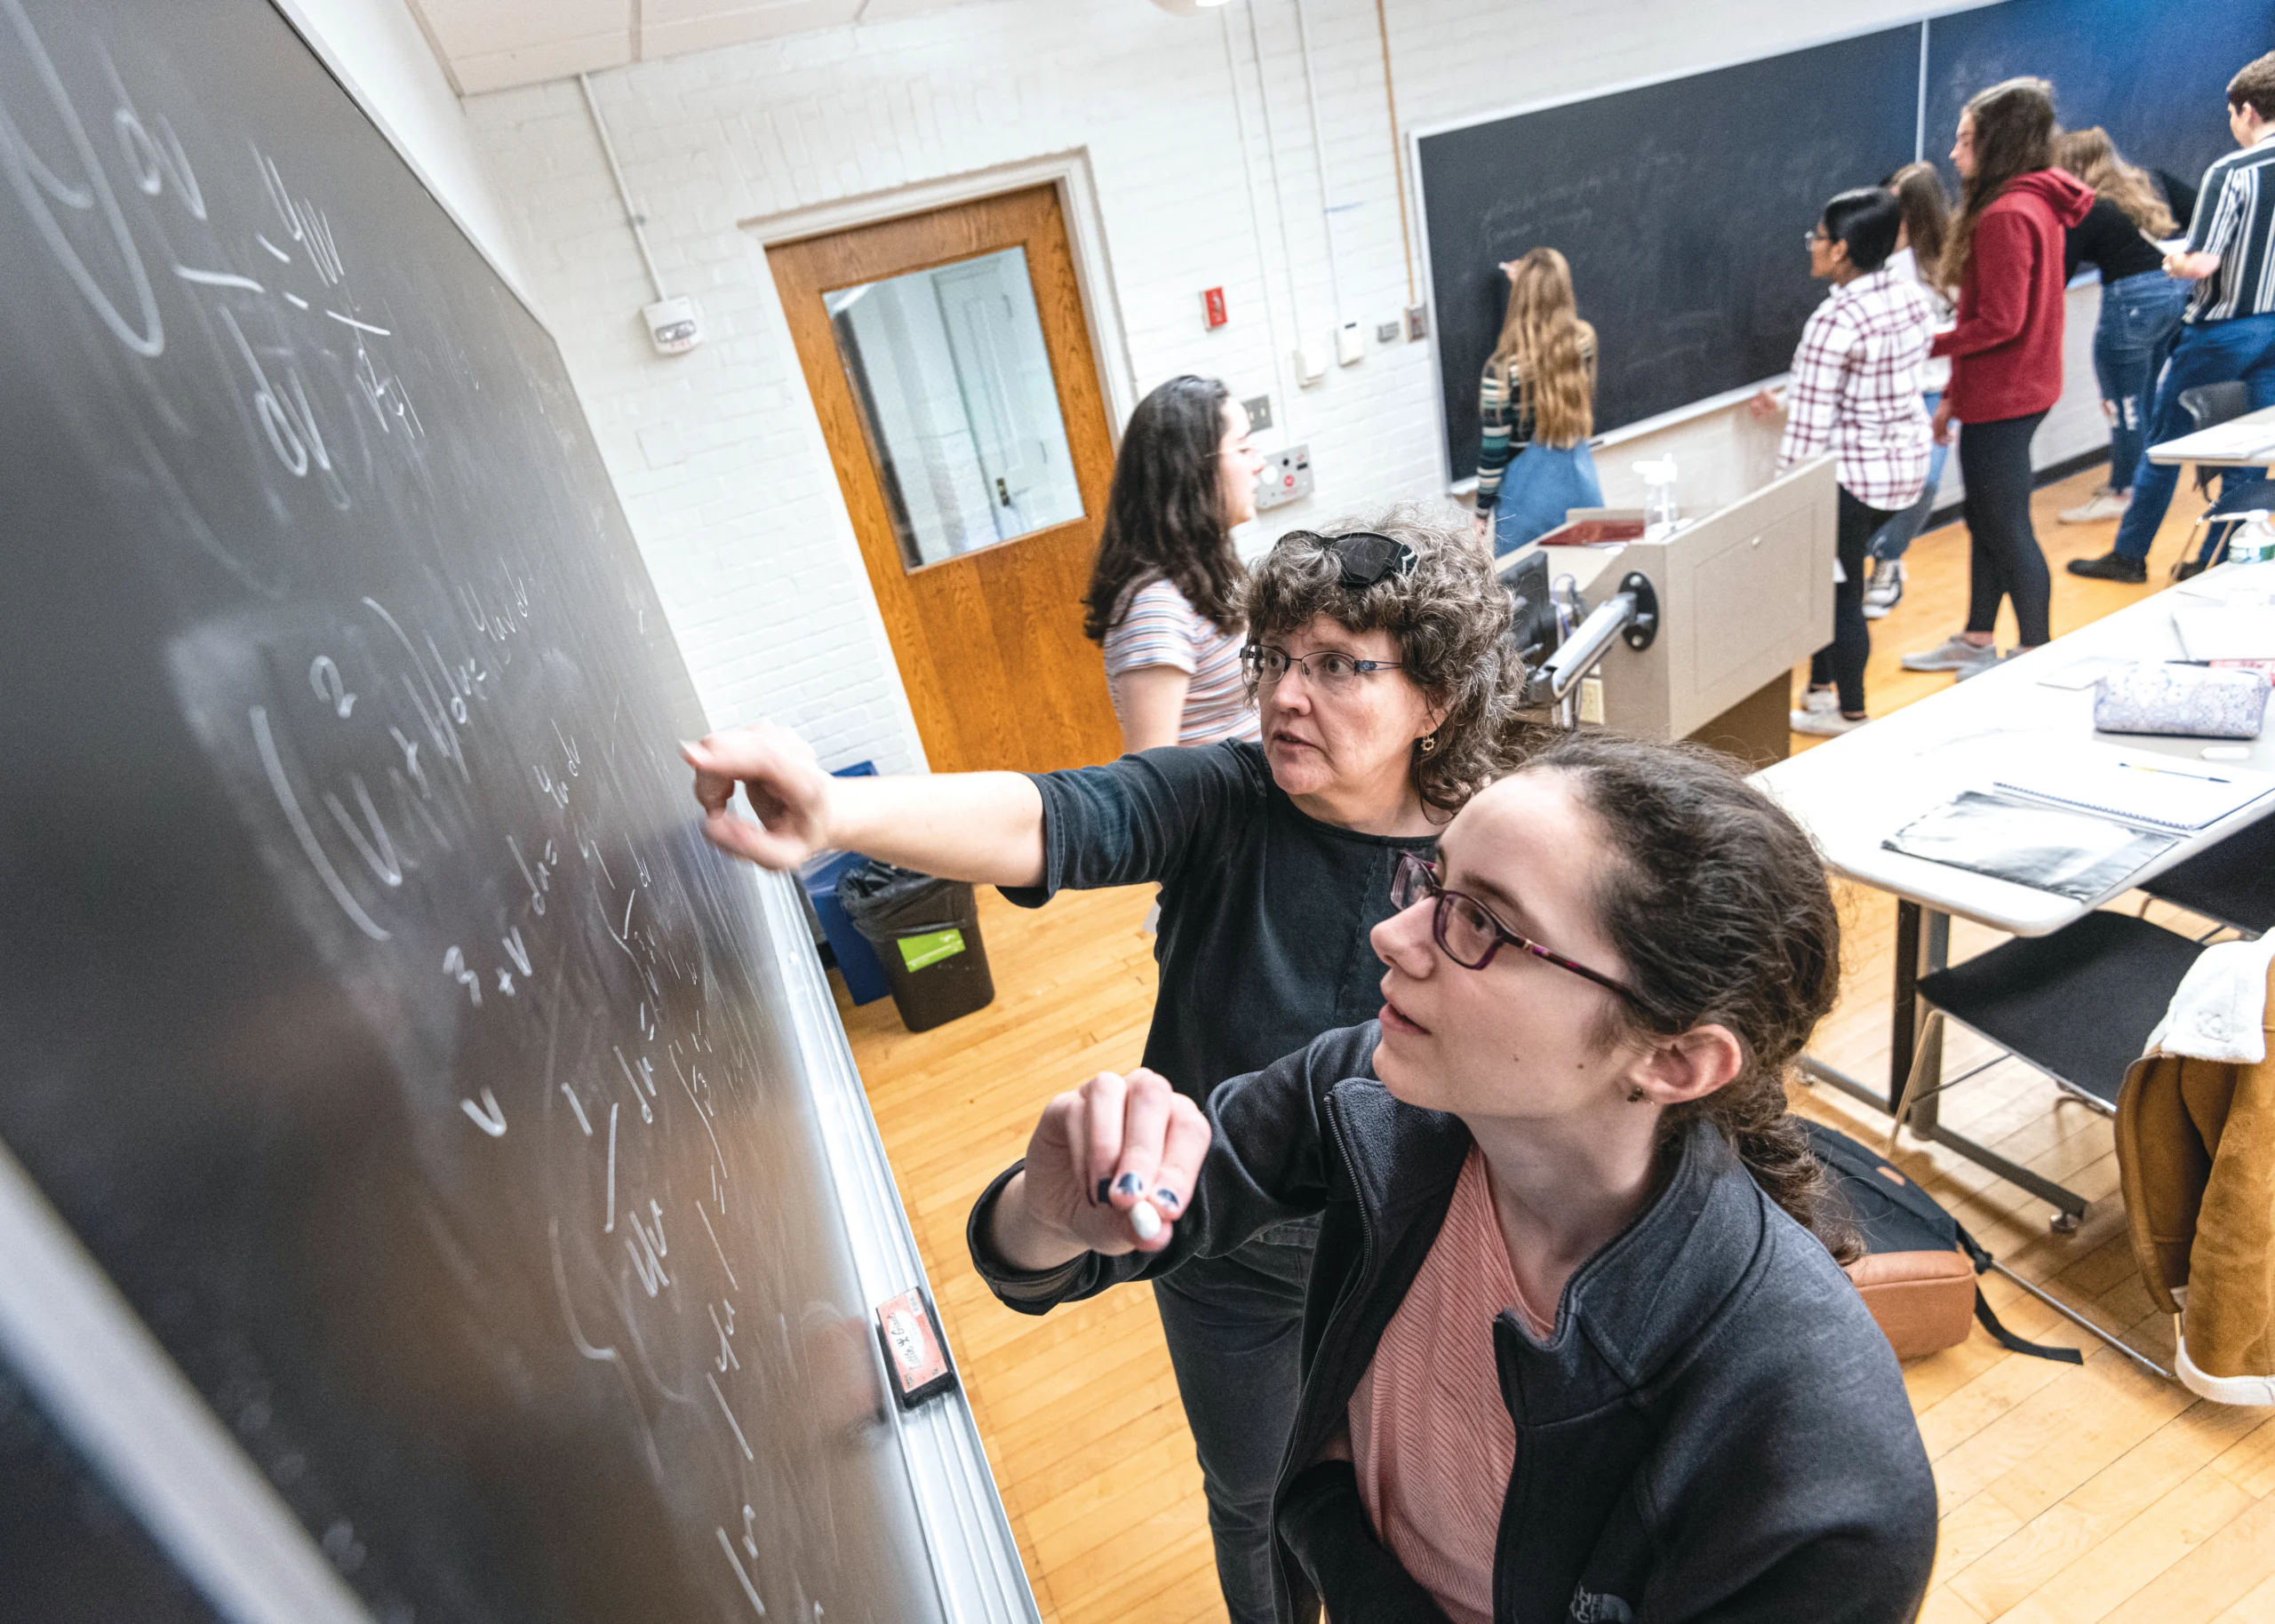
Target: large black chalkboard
x,y
1682,206
2154,73
368,1004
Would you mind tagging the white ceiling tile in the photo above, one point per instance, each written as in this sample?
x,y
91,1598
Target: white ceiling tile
x,y
885,10
564,58
482,27
672,26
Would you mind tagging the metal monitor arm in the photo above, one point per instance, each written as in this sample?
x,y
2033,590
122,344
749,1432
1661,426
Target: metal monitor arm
x,y
1632,614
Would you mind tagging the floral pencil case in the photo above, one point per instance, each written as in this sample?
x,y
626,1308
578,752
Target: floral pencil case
x,y
2194,701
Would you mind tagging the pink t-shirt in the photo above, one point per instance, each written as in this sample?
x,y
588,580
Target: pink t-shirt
x,y
1430,1433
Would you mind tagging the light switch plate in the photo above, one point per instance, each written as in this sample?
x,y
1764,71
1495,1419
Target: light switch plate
x,y
1259,411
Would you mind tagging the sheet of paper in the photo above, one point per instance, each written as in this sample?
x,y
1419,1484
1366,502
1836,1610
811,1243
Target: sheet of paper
x,y
2085,670
2226,632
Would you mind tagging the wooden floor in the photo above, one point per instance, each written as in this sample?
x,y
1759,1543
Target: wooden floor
x,y
2068,1493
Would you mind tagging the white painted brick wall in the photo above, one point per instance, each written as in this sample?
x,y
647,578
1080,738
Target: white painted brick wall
x,y
718,455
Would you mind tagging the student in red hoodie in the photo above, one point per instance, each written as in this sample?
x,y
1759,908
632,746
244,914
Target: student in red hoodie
x,y
2005,256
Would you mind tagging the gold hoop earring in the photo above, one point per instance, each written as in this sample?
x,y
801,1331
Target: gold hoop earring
x,y
1430,744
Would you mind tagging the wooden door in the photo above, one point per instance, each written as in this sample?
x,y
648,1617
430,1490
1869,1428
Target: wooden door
x,y
950,362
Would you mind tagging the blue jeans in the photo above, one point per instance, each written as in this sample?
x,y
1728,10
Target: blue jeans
x,y
1235,1330
1893,538
1542,485
2205,353
2140,318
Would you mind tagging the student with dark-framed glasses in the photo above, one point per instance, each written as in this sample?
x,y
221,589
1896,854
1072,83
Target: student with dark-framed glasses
x,y
1385,699
1576,1344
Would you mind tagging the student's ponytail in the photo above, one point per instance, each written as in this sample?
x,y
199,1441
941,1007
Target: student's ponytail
x,y
1716,904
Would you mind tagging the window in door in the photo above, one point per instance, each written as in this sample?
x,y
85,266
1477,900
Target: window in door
x,y
953,382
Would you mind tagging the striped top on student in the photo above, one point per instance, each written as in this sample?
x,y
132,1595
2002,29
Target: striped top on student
x,y
1165,597
1161,630
2235,219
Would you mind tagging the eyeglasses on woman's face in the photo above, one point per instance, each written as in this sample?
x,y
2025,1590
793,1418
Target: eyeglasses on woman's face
x,y
1330,669
1467,930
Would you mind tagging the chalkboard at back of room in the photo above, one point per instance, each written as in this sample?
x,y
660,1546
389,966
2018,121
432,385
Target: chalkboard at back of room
x,y
1682,206
2153,73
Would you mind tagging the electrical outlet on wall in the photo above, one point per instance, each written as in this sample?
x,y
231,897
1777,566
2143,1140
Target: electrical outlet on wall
x,y
1386,333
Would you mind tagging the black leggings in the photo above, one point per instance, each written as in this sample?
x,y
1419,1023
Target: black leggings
x,y
1840,663
2004,560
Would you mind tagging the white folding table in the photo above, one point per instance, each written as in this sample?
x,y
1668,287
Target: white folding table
x,y
1853,792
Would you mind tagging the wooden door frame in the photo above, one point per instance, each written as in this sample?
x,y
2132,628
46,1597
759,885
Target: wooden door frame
x,y
1070,173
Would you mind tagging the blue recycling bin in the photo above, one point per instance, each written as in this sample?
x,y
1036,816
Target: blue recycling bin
x,y
856,961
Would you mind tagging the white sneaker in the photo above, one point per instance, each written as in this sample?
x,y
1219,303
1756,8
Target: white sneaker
x,y
2102,504
1953,653
1819,702
1885,590
1827,723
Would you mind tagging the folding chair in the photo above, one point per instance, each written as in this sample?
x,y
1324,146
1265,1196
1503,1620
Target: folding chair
x,y
2208,404
2076,1006
2233,883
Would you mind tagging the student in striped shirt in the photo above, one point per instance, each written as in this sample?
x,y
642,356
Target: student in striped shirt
x,y
2229,331
1165,593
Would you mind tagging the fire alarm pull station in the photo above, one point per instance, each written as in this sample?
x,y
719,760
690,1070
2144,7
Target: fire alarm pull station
x,y
1212,307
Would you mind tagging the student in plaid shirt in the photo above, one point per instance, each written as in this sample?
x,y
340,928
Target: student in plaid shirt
x,y
1855,390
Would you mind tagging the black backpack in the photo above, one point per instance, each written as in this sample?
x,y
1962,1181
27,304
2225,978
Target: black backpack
x,y
1918,1275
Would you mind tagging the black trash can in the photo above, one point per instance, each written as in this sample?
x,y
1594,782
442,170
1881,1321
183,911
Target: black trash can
x,y
926,932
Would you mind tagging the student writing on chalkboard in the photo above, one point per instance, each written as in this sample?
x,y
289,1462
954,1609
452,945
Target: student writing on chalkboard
x,y
2228,330
1537,404
2141,306
1919,191
1165,592
1856,390
1576,1346
2005,256
1377,656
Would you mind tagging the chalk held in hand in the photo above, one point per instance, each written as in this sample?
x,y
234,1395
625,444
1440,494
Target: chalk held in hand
x,y
1145,1222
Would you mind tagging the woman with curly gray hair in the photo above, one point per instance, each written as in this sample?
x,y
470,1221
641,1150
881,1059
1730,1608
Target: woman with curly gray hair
x,y
1377,650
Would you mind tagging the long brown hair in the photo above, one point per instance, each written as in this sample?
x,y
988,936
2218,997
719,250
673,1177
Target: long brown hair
x,y
2013,136
1547,350
1927,218
1451,616
1717,906
1165,510
2090,155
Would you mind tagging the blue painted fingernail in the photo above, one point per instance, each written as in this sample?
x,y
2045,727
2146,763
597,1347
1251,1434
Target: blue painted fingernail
x,y
1166,1199
1129,1184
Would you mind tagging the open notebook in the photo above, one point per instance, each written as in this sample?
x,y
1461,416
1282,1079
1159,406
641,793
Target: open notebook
x,y
2146,790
